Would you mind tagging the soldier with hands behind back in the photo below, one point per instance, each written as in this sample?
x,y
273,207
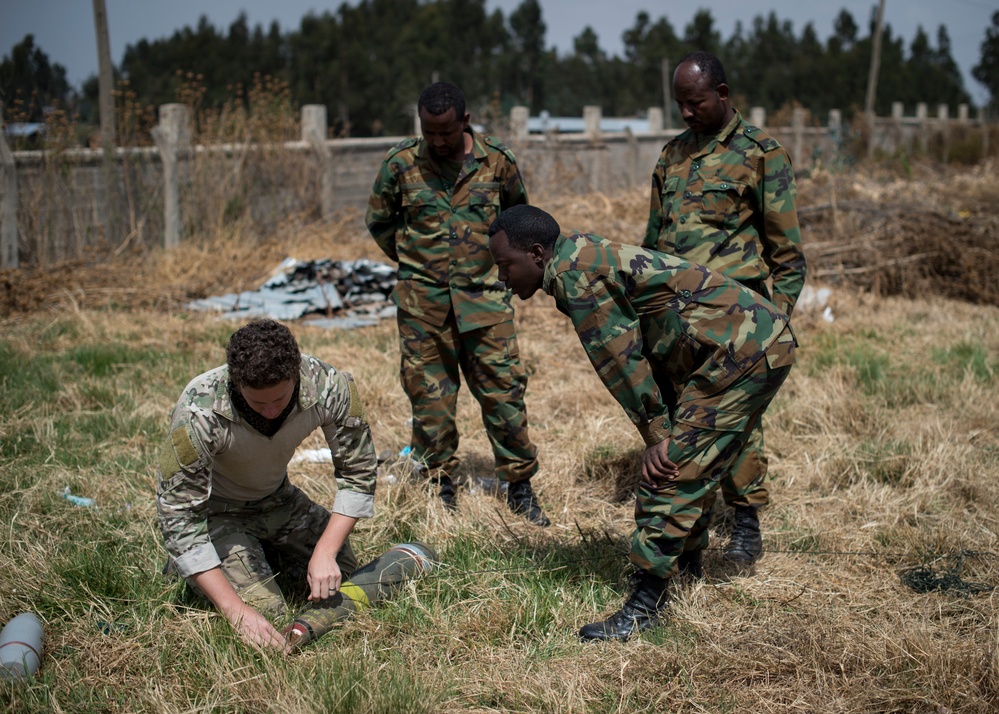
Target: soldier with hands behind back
x,y
430,206
723,196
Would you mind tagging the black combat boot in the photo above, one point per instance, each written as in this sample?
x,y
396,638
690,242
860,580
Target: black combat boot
x,y
746,543
690,566
522,501
640,611
447,492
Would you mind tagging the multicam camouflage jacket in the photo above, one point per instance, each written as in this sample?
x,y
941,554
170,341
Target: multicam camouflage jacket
x,y
436,230
641,314
728,202
211,450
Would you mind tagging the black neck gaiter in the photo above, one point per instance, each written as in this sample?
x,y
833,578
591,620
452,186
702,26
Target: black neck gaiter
x,y
267,427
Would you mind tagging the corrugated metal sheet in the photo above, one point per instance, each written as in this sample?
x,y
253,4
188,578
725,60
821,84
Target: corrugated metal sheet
x,y
344,294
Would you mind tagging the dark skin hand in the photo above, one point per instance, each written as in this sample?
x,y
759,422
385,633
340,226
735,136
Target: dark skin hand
x,y
657,470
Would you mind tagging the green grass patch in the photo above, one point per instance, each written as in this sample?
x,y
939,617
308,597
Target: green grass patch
x,y
967,357
25,378
103,360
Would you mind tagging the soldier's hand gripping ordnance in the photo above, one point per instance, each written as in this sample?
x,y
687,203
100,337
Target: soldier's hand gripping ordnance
x,y
369,584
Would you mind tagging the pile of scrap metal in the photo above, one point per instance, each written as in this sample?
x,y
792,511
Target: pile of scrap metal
x,y
326,293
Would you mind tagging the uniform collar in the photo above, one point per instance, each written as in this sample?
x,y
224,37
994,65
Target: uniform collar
x,y
730,127
308,393
551,267
479,148
705,142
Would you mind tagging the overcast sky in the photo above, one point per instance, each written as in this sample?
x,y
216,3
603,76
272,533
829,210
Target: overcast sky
x,y
64,29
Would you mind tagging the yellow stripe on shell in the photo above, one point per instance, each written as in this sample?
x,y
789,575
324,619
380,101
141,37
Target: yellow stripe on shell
x,y
355,593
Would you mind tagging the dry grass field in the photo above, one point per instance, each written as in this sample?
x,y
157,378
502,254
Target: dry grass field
x,y
884,450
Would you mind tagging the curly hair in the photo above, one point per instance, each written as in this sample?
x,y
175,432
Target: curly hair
x,y
261,354
441,96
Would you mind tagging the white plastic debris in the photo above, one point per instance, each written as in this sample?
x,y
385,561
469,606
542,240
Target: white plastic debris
x,y
313,456
815,299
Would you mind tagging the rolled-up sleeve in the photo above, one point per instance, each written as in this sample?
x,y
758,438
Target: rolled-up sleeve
x,y
349,438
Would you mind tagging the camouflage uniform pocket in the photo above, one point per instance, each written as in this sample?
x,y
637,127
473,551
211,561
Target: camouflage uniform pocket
x,y
781,352
419,203
705,416
706,441
168,484
722,203
484,204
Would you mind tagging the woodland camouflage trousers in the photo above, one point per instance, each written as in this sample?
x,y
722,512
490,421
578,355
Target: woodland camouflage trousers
x,y
433,358
745,483
710,437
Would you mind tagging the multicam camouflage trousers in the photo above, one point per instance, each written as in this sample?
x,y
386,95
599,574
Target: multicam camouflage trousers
x,y
259,541
710,438
489,358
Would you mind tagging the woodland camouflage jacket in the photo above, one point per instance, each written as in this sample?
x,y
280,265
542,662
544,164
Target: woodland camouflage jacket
x,y
639,313
436,230
210,450
727,201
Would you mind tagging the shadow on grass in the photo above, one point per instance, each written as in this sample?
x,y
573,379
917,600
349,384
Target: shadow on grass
x,y
620,470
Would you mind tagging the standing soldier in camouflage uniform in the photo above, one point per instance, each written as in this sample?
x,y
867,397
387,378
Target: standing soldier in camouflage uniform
x,y
647,320
723,196
228,514
429,209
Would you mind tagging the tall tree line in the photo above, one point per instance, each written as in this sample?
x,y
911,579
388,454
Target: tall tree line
x,y
368,61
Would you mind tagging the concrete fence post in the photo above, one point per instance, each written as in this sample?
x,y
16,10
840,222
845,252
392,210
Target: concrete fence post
x,y
798,135
943,119
835,132
636,169
9,257
921,114
592,114
758,117
895,138
519,131
835,120
172,136
314,130
983,121
655,115
962,113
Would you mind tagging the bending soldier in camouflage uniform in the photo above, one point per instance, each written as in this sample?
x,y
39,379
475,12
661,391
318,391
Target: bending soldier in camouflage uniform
x,y
228,514
723,195
429,209
649,321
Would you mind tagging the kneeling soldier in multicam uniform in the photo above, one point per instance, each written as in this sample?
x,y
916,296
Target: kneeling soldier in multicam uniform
x,y
648,320
230,518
